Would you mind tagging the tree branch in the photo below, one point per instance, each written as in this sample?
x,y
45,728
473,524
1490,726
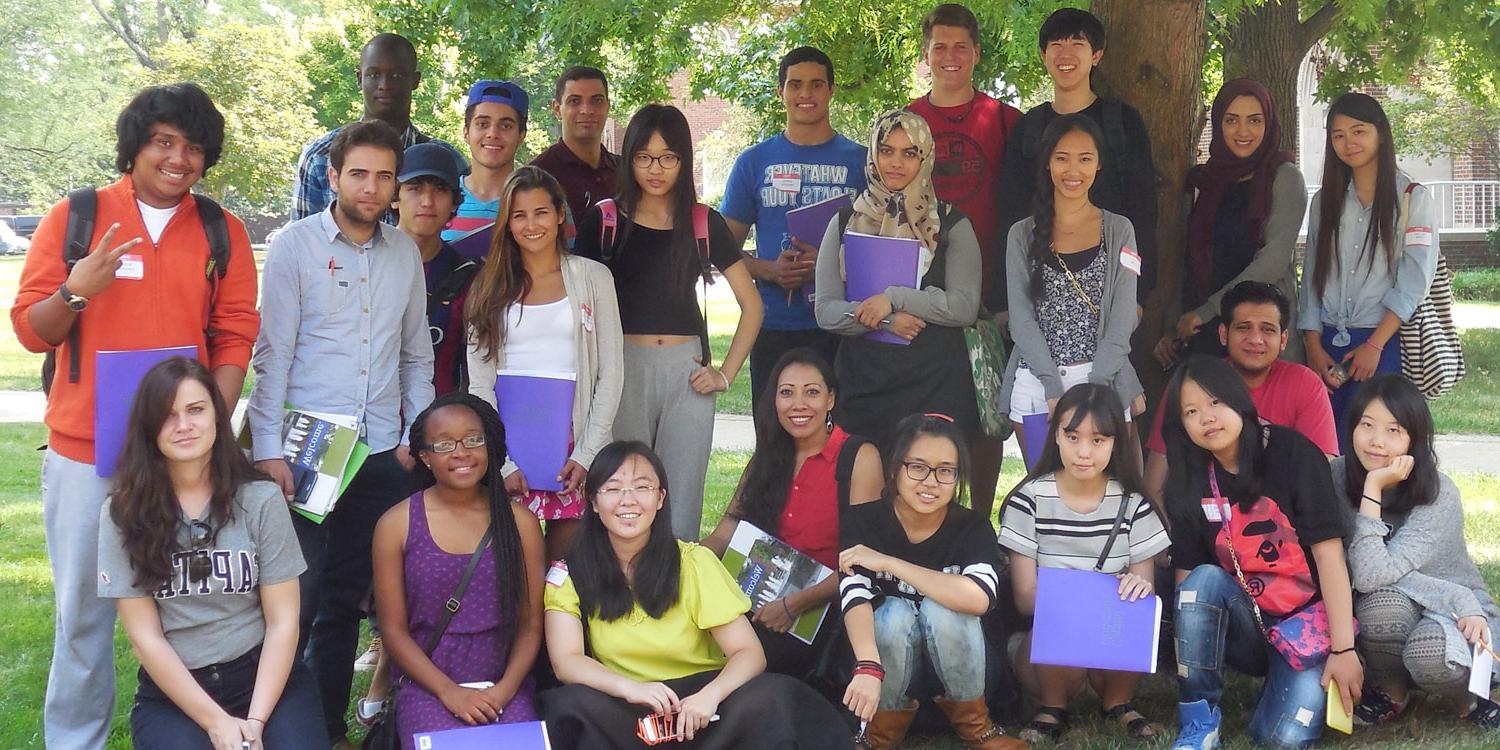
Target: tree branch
x,y
125,36
1319,24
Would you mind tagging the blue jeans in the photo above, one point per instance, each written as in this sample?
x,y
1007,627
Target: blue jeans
x,y
295,723
336,585
1390,361
953,642
1215,628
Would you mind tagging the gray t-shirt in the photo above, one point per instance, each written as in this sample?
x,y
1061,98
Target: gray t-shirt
x,y
1037,524
218,618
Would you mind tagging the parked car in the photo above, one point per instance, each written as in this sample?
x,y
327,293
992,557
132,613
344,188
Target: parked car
x,y
12,243
24,225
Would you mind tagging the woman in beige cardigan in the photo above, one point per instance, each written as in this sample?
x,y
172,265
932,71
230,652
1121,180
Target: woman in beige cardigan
x,y
536,308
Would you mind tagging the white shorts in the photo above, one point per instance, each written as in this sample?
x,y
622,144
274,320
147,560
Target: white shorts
x,y
1028,396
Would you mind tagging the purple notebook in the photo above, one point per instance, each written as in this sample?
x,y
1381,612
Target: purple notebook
x,y
1081,622
872,263
1034,427
808,224
117,375
526,735
537,411
475,244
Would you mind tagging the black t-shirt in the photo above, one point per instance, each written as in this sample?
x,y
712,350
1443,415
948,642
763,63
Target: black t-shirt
x,y
655,294
1273,537
964,545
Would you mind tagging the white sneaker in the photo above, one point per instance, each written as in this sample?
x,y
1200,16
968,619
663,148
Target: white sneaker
x,y
366,661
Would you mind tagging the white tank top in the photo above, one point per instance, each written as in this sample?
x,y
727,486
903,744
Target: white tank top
x,y
540,337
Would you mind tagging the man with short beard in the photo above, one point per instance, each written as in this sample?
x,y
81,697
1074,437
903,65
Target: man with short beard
x,y
344,331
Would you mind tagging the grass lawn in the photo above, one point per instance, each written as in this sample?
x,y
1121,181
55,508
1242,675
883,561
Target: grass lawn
x,y
26,619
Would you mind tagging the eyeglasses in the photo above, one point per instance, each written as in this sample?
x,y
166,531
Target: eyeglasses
x,y
448,446
917,472
200,566
643,160
639,492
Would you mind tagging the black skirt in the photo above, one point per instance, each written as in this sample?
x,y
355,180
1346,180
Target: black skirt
x,y
880,384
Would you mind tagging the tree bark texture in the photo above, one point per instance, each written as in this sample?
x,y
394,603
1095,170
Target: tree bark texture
x,y
1267,43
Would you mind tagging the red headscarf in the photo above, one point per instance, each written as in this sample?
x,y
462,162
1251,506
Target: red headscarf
x,y
1224,169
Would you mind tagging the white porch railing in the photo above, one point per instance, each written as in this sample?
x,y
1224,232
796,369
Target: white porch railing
x,y
1462,204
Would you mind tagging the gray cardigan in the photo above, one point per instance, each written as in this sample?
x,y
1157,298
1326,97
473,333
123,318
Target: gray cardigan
x,y
1425,558
1116,322
600,352
956,305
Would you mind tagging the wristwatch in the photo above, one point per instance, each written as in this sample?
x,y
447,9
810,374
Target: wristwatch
x,y
75,302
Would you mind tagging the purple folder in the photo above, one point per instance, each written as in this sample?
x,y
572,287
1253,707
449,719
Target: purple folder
x,y
808,223
117,376
537,411
872,263
526,735
1034,427
475,244
1081,622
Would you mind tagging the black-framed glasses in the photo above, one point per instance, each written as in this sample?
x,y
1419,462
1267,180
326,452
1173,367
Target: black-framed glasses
x,y
200,565
643,160
448,446
918,472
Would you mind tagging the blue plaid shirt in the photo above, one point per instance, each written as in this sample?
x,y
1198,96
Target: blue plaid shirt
x,y
311,193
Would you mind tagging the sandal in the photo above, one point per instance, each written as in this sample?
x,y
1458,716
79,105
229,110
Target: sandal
x,y
1376,708
1140,727
367,711
1037,731
1485,714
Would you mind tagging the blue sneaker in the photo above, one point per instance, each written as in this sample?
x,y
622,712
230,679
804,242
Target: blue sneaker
x,y
1200,726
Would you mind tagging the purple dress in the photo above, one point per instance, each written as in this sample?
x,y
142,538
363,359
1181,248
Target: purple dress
x,y
476,645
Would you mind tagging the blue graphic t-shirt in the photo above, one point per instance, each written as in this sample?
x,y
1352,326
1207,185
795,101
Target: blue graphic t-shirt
x,y
472,214
775,176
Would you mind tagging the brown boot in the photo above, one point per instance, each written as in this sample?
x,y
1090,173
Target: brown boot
x,y
888,728
971,720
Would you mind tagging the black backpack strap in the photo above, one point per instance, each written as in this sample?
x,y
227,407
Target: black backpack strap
x,y
216,227
1114,532
843,471
1031,132
450,286
83,208
451,607
1119,145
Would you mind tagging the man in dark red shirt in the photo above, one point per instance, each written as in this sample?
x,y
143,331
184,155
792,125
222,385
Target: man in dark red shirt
x,y
969,128
579,160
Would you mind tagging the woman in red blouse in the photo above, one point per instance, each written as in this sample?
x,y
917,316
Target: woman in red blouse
x,y
791,489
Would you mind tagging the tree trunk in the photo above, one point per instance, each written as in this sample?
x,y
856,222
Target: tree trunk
x,y
1267,43
1154,61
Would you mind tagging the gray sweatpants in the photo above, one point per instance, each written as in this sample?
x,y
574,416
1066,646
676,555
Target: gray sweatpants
x,y
660,408
81,683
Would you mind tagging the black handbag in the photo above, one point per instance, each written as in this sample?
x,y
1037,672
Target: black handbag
x,y
382,734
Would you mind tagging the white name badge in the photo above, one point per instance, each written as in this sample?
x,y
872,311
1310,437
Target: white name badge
x,y
787,182
131,267
1130,260
1214,511
1419,236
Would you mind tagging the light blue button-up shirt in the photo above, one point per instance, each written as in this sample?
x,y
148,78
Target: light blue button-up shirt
x,y
343,330
1362,286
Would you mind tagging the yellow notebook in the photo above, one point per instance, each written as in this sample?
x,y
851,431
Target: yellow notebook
x,y
1338,718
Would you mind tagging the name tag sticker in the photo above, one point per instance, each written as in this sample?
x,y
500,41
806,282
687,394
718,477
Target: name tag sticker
x,y
786,182
588,319
557,574
1213,511
1419,236
131,267
1130,260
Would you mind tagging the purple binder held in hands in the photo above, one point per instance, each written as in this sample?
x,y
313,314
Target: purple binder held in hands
x,y
537,411
117,376
873,263
1081,622
808,223
526,735
1034,429
475,244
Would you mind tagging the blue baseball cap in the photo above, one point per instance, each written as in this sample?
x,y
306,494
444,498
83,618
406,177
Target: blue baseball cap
x,y
500,92
432,159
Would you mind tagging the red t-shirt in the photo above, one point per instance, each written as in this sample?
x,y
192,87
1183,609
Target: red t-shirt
x,y
810,520
1291,396
969,141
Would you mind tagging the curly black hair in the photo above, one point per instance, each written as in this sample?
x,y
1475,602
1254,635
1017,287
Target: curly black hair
x,y
184,106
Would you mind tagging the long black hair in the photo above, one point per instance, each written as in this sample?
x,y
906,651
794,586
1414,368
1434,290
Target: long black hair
x,y
1406,404
143,502
1102,404
669,122
1187,463
1336,175
768,475
510,563
603,589
907,432
1044,209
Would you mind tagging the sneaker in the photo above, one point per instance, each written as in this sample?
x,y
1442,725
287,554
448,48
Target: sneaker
x,y
1376,709
366,662
1200,726
1485,714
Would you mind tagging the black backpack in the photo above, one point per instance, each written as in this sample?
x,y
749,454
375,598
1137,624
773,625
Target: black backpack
x,y
83,209
1114,139
442,295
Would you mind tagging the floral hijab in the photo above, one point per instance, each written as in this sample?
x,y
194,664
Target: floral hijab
x,y
910,212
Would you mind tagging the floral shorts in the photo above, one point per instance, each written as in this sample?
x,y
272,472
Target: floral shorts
x,y
552,506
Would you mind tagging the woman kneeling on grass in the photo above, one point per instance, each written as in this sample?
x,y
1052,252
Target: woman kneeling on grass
x,y
639,623
918,571
476,668
1421,600
1267,592
198,549
1081,508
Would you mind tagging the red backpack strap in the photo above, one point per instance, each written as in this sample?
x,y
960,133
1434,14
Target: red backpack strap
x,y
609,215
